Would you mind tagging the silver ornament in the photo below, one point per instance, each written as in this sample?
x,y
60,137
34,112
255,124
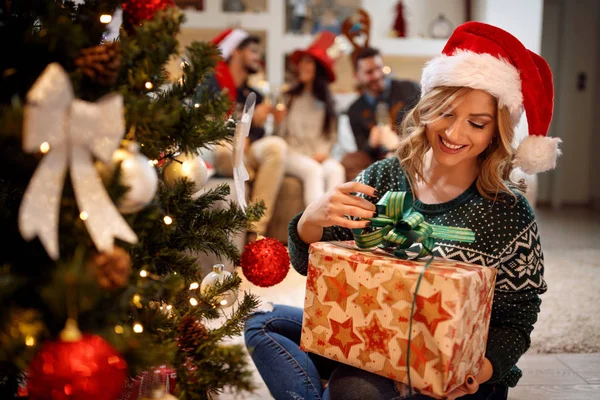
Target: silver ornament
x,y
219,274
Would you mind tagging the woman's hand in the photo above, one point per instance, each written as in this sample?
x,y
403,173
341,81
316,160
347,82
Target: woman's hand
x,y
471,384
330,210
320,157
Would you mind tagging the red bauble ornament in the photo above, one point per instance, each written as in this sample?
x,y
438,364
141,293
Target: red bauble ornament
x,y
265,262
85,369
137,11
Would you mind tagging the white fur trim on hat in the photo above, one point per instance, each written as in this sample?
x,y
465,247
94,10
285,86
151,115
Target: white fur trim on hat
x,y
231,42
478,71
537,154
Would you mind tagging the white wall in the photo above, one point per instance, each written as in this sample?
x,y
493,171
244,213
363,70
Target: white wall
x,y
521,18
595,148
575,118
551,52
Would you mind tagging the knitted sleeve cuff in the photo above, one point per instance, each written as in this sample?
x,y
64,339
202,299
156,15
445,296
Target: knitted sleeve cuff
x,y
504,348
297,248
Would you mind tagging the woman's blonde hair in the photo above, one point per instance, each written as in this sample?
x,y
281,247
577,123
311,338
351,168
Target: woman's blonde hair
x,y
495,162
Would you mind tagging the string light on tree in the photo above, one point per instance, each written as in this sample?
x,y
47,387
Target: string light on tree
x,y
138,328
83,215
168,221
105,18
143,273
193,301
29,341
149,85
45,147
194,285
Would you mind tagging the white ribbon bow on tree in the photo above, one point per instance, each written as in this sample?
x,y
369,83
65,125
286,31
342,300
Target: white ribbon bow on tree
x,y
74,130
240,173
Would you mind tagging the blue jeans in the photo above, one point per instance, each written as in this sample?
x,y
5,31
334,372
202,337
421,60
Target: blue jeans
x,y
273,340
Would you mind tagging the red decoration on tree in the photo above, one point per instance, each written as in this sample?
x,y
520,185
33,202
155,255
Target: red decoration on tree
x,y
400,22
265,262
137,11
162,377
84,369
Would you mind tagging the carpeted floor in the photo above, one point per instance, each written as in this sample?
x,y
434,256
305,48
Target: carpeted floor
x,y
570,317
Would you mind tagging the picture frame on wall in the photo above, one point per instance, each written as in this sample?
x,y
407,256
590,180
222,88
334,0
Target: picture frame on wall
x,y
198,5
249,6
313,16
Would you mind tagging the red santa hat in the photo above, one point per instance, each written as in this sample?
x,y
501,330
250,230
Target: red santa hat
x,y
482,56
324,49
229,40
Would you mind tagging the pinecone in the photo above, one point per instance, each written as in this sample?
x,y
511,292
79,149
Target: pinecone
x,y
111,270
100,63
191,333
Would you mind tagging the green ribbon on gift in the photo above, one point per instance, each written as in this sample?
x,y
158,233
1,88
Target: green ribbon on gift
x,y
400,228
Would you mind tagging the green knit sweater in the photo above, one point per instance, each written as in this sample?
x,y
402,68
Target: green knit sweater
x,y
507,239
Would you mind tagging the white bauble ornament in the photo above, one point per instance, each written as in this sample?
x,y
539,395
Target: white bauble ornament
x,y
138,175
218,275
187,166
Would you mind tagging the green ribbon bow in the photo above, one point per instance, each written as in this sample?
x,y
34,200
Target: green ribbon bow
x,y
402,227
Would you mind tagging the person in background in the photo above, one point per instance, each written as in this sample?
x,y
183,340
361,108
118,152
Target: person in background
x,y
310,127
381,98
264,155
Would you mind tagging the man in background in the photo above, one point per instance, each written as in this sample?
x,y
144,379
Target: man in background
x,y
264,155
375,115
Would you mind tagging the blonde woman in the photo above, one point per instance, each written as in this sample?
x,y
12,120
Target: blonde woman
x,y
455,158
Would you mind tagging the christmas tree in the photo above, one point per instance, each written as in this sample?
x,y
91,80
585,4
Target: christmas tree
x,y
68,99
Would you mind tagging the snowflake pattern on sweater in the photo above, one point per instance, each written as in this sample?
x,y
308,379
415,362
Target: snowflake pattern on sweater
x,y
507,238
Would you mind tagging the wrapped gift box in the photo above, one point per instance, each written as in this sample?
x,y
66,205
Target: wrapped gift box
x,y
357,310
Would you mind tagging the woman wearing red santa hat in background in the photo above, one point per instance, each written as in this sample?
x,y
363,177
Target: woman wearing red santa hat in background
x,y
310,127
455,159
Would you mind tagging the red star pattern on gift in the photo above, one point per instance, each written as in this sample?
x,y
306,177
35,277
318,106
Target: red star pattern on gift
x,y
420,354
429,276
372,269
430,311
451,333
356,259
364,356
377,338
391,372
367,299
401,319
353,265
318,313
343,336
320,341
451,306
457,356
398,288
314,273
338,289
